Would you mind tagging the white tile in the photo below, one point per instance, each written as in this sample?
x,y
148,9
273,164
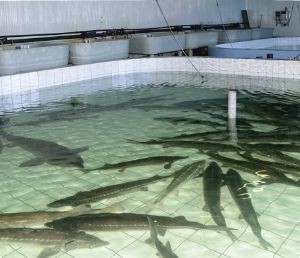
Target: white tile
x,y
50,78
253,66
297,70
152,65
87,72
42,79
223,66
144,65
101,69
94,70
73,74
16,83
115,67
65,75
160,64
122,66
281,67
25,81
6,84
58,76
289,69
128,66
80,73
33,77
168,64
230,65
262,67
136,65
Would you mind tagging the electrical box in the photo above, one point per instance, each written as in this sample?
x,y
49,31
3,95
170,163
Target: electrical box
x,y
282,18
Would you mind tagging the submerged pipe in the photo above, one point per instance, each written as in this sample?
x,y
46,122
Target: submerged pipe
x,y
232,116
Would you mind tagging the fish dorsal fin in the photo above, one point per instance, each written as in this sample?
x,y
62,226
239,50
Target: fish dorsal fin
x,y
49,251
180,218
150,241
205,208
168,246
161,232
158,255
240,216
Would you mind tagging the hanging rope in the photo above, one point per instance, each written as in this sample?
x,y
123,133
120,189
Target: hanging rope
x,y
178,42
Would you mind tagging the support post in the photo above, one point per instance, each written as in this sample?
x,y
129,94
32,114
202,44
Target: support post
x,y
179,53
152,55
191,52
232,116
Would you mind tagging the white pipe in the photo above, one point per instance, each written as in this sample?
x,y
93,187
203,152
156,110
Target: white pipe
x,y
232,116
232,104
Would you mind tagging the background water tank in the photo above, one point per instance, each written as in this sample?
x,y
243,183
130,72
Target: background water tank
x,y
96,50
236,35
198,39
155,43
32,57
262,33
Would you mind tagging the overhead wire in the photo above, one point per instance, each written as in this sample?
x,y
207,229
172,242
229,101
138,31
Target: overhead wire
x,y
178,42
223,23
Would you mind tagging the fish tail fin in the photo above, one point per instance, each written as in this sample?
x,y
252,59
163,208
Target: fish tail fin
x,y
79,210
265,244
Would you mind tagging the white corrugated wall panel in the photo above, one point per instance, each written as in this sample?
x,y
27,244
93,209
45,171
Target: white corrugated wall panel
x,y
41,17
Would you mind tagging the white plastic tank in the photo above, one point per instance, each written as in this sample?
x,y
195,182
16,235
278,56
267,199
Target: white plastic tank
x,y
96,50
155,43
236,35
196,39
262,33
32,57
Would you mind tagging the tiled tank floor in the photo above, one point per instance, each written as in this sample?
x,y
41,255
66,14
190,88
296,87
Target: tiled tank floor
x,y
31,189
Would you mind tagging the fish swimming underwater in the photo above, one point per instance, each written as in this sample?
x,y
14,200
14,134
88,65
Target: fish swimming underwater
x,y
273,154
46,152
181,176
121,167
107,192
212,182
39,218
165,251
242,199
269,174
203,146
54,241
127,222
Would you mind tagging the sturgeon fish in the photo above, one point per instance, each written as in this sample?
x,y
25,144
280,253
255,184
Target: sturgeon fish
x,y
46,152
54,241
242,199
212,182
165,251
121,167
22,219
107,192
180,177
276,155
286,169
204,146
268,174
278,147
127,222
